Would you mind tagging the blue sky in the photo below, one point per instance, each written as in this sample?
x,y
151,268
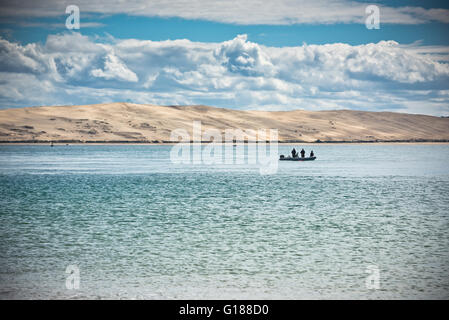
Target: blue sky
x,y
157,29
26,29
271,55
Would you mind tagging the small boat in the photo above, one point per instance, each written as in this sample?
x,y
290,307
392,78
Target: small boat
x,y
282,158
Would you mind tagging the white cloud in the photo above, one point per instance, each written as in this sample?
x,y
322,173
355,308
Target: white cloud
x,y
241,56
274,12
17,58
150,80
115,69
74,69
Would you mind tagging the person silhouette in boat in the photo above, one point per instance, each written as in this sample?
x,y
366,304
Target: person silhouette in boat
x,y
294,153
312,154
303,153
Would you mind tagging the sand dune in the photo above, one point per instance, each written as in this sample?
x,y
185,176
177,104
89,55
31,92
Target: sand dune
x,y
128,122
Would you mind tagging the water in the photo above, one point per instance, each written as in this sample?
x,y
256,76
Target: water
x,y
138,226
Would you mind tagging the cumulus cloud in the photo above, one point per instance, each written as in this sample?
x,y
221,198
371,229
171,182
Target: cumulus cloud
x,y
17,58
276,12
115,69
74,69
247,58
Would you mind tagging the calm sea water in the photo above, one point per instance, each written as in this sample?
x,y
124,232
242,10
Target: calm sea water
x,y
138,226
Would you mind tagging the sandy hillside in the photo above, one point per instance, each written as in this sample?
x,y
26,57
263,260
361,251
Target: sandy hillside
x,y
127,122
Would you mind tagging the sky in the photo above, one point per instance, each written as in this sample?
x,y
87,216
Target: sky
x,y
254,54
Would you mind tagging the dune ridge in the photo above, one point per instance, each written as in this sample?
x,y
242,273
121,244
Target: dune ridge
x,y
143,123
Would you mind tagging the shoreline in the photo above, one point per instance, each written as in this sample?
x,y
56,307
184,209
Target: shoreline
x,y
149,143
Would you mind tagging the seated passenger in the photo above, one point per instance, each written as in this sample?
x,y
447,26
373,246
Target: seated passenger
x,y
294,153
